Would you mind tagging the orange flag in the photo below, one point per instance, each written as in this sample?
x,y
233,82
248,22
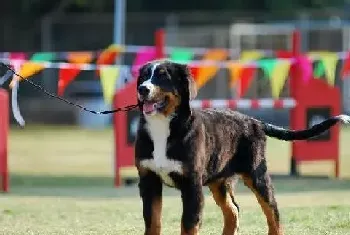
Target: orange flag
x,y
207,72
80,57
109,56
30,68
235,72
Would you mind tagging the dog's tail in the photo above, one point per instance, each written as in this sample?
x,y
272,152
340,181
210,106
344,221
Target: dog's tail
x,y
285,134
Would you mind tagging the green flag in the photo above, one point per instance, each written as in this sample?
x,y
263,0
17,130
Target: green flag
x,y
181,55
267,65
42,57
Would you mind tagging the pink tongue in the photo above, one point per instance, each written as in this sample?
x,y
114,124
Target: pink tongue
x,y
149,107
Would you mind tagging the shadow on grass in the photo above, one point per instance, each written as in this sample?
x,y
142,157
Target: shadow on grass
x,y
103,187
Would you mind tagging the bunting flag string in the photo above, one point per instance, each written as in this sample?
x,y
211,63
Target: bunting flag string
x,y
241,72
109,77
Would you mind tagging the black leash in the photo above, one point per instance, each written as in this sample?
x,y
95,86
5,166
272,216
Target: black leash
x,y
40,88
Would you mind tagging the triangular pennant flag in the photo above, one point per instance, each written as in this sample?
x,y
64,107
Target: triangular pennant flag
x,y
143,56
109,77
17,59
281,54
251,55
109,56
330,65
267,65
207,72
304,66
247,76
319,70
279,76
345,72
65,77
43,57
80,57
194,71
181,55
30,68
235,72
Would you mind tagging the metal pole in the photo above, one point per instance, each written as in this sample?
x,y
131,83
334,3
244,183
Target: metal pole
x,y
119,21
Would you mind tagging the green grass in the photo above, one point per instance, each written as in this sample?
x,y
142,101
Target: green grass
x,y
62,177
101,210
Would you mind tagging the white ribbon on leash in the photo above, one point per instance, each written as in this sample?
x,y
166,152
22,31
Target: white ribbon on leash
x,y
14,103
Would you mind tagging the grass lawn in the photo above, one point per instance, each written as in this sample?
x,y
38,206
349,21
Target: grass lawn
x,y
61,183
102,210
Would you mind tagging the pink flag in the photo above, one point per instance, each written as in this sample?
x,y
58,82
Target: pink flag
x,y
143,56
17,59
305,67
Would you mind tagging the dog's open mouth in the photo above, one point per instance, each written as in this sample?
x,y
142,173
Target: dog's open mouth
x,y
151,106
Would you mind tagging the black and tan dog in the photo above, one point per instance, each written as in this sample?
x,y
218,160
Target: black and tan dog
x,y
187,149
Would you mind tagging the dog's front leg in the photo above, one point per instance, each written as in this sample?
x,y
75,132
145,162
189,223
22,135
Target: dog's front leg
x,y
150,187
192,201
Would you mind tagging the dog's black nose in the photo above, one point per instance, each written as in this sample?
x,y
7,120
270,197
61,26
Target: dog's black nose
x,y
143,90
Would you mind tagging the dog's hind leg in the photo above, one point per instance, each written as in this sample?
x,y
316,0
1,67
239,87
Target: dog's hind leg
x,y
150,186
223,195
259,181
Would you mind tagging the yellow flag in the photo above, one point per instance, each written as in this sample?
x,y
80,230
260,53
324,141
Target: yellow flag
x,y
251,55
329,60
207,72
109,77
235,72
28,69
330,65
279,76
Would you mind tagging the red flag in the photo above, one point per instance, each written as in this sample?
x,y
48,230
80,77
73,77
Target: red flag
x,y
65,77
346,66
246,78
281,54
194,71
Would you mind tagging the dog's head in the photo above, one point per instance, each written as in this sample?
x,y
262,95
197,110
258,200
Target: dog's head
x,y
164,87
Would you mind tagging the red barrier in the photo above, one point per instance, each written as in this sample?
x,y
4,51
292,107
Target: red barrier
x,y
4,126
123,132
317,101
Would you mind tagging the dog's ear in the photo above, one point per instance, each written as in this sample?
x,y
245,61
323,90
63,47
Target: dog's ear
x,y
187,80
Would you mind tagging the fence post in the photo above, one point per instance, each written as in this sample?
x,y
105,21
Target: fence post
x,y
4,126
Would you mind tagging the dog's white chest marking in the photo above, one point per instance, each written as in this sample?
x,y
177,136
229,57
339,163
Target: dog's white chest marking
x,y
158,128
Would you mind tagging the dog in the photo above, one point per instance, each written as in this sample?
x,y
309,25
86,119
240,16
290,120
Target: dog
x,y
188,149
